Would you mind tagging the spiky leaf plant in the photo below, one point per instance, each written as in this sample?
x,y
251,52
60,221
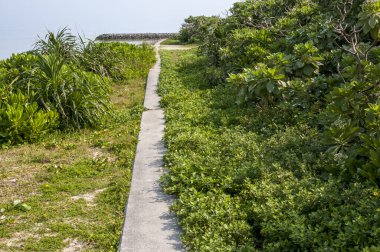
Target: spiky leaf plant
x,y
81,98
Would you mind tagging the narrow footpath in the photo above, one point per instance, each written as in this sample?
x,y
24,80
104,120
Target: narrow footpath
x,y
149,225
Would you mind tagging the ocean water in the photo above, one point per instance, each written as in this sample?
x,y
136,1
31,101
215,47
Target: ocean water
x,y
22,21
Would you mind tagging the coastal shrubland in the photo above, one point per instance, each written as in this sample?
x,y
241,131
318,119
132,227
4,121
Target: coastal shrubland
x,y
274,127
67,80
69,122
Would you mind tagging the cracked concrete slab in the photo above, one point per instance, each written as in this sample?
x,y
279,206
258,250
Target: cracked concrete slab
x,y
148,224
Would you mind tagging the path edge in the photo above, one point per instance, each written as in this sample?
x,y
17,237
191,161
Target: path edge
x,y
146,108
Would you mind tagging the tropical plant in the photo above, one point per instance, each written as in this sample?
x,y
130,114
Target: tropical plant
x,y
119,61
299,158
369,19
65,78
62,43
81,98
22,121
262,82
194,28
261,178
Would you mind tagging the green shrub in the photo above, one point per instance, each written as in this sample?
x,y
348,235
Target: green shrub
x,y
194,28
66,78
352,130
316,61
81,98
258,177
22,121
297,164
15,68
262,82
62,44
119,61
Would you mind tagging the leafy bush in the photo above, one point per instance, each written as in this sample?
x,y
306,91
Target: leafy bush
x,y
64,78
194,28
293,53
119,61
81,98
298,160
369,19
17,67
263,82
22,121
297,164
258,177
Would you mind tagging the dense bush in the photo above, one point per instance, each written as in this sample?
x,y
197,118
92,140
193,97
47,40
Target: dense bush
x,y
64,83
118,60
256,178
194,28
297,159
21,120
298,53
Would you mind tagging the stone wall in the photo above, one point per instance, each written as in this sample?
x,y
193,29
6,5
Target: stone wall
x,y
135,36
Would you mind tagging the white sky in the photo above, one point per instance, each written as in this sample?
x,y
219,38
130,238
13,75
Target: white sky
x,y
101,16
22,20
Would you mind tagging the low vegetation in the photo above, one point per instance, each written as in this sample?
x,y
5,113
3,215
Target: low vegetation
x,y
273,128
246,184
171,41
79,106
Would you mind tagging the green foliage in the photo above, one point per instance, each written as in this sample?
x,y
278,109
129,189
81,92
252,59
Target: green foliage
x,y
352,129
64,77
266,83
62,44
369,18
119,61
306,60
245,47
216,217
22,121
263,82
18,66
194,28
317,60
81,98
271,176
299,157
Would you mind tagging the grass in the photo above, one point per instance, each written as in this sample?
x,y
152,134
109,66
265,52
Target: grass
x,y
178,42
171,41
68,191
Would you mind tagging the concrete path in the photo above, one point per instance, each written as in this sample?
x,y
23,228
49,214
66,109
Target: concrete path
x,y
149,225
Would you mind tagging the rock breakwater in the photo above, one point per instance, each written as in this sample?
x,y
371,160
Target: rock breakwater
x,y
135,36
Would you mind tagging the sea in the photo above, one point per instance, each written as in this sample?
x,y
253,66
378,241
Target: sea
x,y
22,22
